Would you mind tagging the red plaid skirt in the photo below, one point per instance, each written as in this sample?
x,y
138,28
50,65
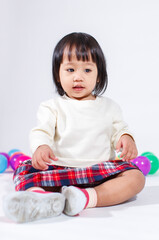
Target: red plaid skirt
x,y
25,176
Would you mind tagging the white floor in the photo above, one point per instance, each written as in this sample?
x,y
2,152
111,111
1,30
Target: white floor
x,y
136,219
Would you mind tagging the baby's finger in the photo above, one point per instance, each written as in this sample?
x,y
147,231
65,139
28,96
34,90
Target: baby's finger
x,y
128,156
124,153
34,162
53,157
134,155
118,146
45,158
41,164
36,165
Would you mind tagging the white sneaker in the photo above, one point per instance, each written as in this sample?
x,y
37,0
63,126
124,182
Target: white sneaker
x,y
28,206
75,200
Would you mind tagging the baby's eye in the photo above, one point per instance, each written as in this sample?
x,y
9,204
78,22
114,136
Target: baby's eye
x,y
87,70
70,70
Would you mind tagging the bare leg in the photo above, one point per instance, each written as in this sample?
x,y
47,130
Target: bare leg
x,y
120,189
35,188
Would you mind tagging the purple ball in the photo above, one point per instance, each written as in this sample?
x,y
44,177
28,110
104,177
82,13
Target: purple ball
x,y
143,163
14,158
7,156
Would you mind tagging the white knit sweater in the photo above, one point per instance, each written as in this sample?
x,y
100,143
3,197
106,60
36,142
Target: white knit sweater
x,y
80,133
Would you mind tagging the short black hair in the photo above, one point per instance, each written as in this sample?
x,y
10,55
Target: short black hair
x,y
85,46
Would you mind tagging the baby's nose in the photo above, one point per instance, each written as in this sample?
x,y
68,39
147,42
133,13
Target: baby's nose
x,y
78,76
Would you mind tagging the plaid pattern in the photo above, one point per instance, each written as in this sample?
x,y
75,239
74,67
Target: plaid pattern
x,y
25,176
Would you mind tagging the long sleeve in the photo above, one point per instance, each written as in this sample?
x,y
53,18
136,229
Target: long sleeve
x,y
80,133
45,130
119,127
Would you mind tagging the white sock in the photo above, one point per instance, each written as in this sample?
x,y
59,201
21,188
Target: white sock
x,y
92,197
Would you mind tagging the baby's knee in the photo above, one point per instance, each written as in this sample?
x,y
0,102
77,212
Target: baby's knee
x,y
137,180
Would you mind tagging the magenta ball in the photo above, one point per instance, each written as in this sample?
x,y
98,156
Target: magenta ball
x,y
21,159
14,158
7,156
143,163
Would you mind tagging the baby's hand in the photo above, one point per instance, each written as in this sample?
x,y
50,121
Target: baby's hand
x,y
129,150
42,156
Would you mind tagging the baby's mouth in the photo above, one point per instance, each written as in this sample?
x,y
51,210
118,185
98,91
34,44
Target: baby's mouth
x,y
78,87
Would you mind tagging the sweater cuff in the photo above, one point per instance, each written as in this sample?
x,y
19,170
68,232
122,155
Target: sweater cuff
x,y
33,148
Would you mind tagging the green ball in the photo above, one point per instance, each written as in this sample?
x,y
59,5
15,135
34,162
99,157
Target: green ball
x,y
147,153
154,161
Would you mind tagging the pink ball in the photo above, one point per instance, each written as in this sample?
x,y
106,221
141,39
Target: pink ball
x,y
143,163
13,159
21,159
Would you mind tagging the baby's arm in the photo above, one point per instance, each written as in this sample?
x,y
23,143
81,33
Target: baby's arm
x,y
42,136
121,136
42,156
129,149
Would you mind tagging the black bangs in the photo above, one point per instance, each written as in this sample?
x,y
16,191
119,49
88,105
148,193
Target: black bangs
x,y
81,51
81,47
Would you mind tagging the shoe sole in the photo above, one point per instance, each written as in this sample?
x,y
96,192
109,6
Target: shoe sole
x,y
30,206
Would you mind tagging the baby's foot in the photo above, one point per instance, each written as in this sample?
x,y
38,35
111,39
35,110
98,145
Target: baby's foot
x,y
28,206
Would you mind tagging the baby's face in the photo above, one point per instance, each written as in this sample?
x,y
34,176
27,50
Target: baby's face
x,y
78,79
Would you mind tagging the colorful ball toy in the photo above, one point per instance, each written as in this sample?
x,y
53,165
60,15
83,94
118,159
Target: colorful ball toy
x,y
154,161
20,159
143,163
13,158
13,151
3,163
7,156
118,156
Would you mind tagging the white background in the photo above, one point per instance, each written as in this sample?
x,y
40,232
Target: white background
x,y
128,32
